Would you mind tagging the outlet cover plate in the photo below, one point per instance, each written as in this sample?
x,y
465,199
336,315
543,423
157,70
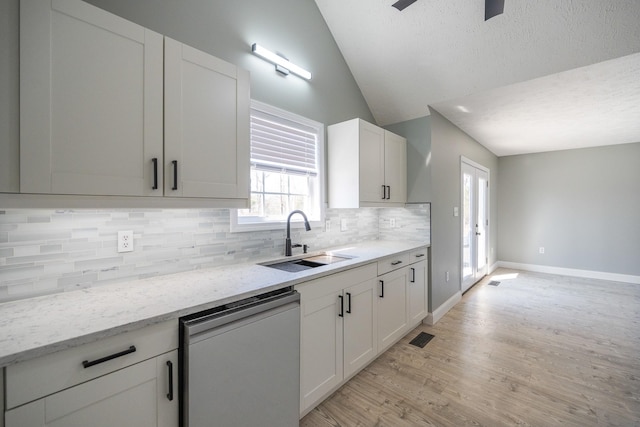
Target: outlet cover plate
x,y
125,241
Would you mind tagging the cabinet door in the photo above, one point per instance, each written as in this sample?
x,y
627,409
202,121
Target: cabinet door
x,y
134,396
417,292
321,347
360,326
167,389
206,125
395,167
392,307
90,101
371,163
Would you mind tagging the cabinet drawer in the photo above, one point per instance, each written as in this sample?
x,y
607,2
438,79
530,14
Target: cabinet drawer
x,y
33,379
393,263
335,282
418,255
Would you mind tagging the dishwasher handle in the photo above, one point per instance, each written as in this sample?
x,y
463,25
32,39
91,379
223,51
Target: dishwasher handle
x,y
208,322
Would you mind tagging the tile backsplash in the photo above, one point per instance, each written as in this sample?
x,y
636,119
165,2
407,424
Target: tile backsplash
x,y
49,251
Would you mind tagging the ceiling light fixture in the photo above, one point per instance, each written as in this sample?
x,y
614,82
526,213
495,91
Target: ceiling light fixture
x,y
283,65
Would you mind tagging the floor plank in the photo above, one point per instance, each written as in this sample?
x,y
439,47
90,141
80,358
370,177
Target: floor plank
x,y
537,350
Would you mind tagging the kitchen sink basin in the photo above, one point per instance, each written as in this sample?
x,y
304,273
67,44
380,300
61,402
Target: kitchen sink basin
x,y
301,264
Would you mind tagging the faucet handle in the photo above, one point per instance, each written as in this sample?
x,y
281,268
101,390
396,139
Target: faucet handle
x,y
296,245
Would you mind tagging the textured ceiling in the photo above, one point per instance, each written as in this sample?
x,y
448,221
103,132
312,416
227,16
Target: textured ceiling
x,y
442,53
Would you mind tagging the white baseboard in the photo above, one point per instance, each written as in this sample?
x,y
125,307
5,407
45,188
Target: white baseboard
x,y
615,277
493,267
439,312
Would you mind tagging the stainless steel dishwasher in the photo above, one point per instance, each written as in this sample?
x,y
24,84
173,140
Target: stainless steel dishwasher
x,y
240,363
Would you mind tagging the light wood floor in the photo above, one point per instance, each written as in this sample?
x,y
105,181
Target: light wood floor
x,y
537,350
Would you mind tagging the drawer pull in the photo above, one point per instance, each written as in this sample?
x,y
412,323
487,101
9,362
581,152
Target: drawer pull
x,y
170,394
88,364
419,255
396,263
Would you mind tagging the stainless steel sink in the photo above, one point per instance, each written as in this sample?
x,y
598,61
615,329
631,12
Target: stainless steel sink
x,y
301,264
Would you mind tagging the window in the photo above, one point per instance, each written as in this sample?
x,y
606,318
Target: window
x,y
287,153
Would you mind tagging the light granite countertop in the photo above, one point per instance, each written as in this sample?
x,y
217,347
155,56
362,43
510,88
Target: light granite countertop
x,y
38,326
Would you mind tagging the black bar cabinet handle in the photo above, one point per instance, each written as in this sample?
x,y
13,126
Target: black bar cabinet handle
x,y
349,302
341,313
413,275
381,288
419,255
388,192
170,394
396,263
384,192
155,173
87,364
175,174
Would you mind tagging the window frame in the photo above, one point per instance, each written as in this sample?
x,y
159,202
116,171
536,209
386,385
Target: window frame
x,y
296,220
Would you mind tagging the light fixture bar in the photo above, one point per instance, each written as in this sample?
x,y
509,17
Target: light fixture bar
x,y
280,61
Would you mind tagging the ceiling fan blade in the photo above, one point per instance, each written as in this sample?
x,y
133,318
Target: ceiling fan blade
x,y
401,4
493,8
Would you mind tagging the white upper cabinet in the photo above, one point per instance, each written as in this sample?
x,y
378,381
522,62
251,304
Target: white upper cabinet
x,y
206,125
110,108
371,154
367,166
90,101
395,167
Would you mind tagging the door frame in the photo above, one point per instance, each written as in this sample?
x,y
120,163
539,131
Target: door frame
x,y
469,162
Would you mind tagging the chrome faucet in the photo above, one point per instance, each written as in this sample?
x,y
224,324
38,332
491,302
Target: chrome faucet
x,y
287,242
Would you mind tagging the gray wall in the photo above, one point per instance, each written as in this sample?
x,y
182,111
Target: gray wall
x,y
582,206
448,143
225,29
418,134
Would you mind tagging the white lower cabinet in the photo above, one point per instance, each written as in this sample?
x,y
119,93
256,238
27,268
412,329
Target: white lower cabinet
x,y
392,307
136,396
349,318
417,293
337,330
126,380
359,325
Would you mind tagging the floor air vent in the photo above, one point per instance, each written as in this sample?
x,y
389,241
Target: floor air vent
x,y
421,340
493,283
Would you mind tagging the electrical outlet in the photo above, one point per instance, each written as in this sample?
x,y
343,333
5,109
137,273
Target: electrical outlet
x,y
125,241
393,223
343,224
327,225
541,250
446,276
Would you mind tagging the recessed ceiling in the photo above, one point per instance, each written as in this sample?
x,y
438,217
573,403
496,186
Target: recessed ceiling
x,y
442,53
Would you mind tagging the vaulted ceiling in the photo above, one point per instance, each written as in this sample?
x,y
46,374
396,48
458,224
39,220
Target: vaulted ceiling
x,y
545,75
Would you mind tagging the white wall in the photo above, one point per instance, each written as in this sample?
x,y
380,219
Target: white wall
x,y
582,206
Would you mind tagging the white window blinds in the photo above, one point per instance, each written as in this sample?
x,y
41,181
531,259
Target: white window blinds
x,y
283,145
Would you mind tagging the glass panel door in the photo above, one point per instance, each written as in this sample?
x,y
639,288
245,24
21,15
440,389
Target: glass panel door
x,y
475,224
